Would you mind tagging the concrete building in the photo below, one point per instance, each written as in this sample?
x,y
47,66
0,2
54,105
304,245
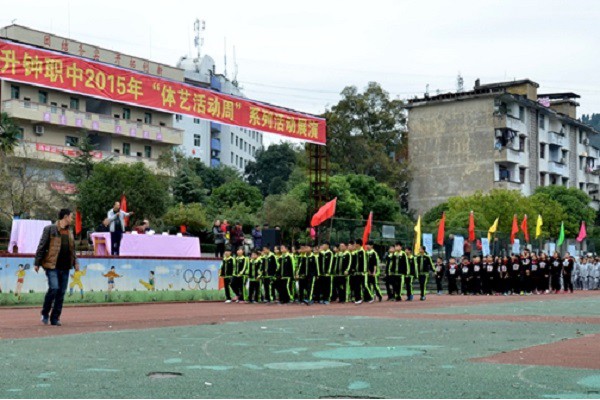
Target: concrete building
x,y
214,143
52,121
500,135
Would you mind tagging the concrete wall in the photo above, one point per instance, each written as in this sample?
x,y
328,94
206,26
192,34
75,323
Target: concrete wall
x,y
450,148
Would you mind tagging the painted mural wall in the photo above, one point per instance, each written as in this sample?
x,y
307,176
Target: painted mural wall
x,y
17,274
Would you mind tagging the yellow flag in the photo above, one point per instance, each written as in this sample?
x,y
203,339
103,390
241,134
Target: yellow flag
x,y
493,229
538,226
418,236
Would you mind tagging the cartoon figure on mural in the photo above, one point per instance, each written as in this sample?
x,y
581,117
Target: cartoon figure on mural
x,y
20,279
76,276
150,285
111,275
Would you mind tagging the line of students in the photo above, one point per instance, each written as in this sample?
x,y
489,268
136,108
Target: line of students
x,y
527,273
308,275
586,275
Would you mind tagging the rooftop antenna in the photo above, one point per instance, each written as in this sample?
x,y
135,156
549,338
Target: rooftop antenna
x,y
199,28
460,84
427,90
225,56
235,68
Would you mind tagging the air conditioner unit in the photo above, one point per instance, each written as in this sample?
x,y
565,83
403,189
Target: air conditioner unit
x,y
39,130
586,141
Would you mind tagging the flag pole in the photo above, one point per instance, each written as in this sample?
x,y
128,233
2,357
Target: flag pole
x,y
330,229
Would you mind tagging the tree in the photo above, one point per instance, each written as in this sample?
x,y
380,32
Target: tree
x,y
192,215
188,187
367,135
9,135
147,194
374,196
575,204
235,193
272,168
80,167
285,211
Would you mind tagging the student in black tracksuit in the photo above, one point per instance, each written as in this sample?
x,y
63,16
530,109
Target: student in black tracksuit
x,y
453,273
302,275
477,276
568,266
440,271
424,267
313,271
360,288
515,274
286,275
504,267
465,276
226,272
543,281
326,258
402,268
241,271
555,272
535,274
389,267
254,277
342,273
373,269
489,276
525,273
410,275
270,268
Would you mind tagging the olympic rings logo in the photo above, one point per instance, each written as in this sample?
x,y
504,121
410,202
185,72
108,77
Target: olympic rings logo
x,y
197,279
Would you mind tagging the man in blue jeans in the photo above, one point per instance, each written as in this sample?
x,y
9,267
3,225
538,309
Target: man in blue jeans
x,y
56,254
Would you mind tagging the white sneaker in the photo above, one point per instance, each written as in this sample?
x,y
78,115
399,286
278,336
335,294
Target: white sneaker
x,y
227,301
358,302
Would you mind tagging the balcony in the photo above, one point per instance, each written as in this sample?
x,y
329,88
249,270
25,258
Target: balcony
x,y
557,139
509,185
215,144
43,113
215,127
557,167
507,121
510,155
214,162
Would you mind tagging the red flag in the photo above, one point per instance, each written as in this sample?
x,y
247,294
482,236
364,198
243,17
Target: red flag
x,y
182,229
324,213
367,231
525,229
441,230
582,232
124,208
77,222
515,230
471,227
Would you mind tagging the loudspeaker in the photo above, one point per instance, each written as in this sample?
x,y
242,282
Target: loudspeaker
x,y
271,238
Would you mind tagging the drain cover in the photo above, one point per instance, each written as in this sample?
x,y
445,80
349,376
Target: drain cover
x,y
163,375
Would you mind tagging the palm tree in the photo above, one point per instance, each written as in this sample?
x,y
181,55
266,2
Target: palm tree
x,y
9,134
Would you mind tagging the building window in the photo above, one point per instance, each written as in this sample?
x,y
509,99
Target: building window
x,y
565,182
178,117
521,143
542,150
542,179
126,149
148,118
231,160
581,185
196,120
74,103
15,92
148,151
241,144
71,141
522,175
231,137
542,121
504,173
246,147
522,113
237,141
197,140
237,160
126,113
42,97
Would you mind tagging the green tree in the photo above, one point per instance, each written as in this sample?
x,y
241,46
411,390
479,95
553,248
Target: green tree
x,y
575,204
192,215
9,135
272,168
147,194
287,212
188,187
367,135
234,193
374,196
80,167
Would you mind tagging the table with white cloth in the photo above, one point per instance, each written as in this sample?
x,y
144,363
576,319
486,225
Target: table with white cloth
x,y
26,234
150,245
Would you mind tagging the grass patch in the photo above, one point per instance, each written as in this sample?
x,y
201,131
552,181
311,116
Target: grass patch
x,y
34,299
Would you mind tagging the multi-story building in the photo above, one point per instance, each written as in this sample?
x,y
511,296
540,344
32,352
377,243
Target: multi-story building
x,y
52,121
499,135
212,142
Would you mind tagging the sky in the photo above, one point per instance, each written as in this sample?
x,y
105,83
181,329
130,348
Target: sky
x,y
301,55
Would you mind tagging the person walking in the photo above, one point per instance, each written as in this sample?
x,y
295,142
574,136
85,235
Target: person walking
x,y
56,254
219,239
117,226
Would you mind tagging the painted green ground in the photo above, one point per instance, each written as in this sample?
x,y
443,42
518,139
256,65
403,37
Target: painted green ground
x,y
29,299
557,305
297,358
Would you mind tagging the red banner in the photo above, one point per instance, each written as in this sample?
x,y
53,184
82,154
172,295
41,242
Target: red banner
x,y
79,75
64,187
68,151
